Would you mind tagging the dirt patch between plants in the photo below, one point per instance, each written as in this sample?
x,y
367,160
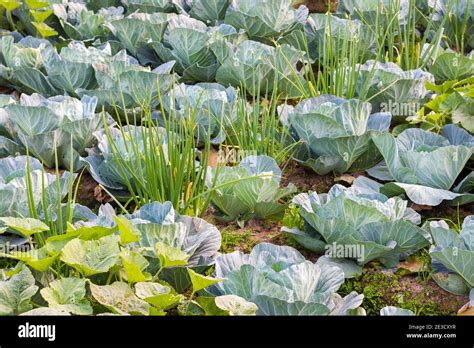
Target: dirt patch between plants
x,y
90,193
305,179
383,288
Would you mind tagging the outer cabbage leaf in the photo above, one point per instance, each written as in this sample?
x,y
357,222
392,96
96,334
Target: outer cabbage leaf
x,y
128,145
137,29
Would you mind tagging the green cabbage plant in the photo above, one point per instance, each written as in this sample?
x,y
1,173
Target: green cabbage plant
x,y
336,134
137,30
391,89
359,223
198,50
249,190
56,129
425,166
452,255
260,69
280,281
210,106
80,23
24,185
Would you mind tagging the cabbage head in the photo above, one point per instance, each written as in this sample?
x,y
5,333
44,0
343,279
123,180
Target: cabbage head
x,y
280,281
22,63
336,134
212,107
197,49
425,166
323,34
208,11
375,12
261,70
359,223
152,6
52,127
452,255
265,20
249,190
457,19
190,240
137,30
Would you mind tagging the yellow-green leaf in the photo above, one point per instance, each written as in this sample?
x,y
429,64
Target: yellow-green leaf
x,y
44,29
200,281
128,232
38,259
134,265
41,16
35,4
10,5
170,256
160,296
25,226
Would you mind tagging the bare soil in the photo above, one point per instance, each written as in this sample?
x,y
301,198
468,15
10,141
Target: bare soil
x,y
320,6
306,180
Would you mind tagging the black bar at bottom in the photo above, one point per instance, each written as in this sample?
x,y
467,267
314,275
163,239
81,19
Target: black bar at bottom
x,y
239,331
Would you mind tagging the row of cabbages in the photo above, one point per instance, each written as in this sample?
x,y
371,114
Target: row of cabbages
x,y
339,135
262,20
156,245
334,135
238,51
158,254
376,227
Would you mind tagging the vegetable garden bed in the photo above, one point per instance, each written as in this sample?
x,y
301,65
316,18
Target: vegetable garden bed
x,y
236,157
